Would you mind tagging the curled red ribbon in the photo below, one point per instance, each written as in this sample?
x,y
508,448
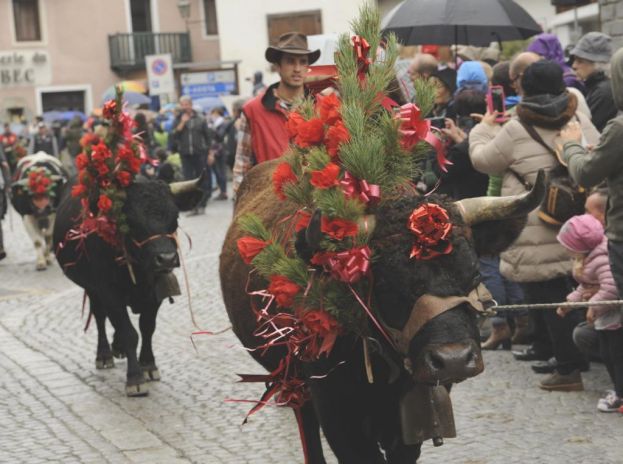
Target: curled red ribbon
x,y
435,142
356,188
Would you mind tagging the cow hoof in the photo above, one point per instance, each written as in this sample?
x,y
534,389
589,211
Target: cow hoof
x,y
118,354
141,389
104,363
151,373
41,266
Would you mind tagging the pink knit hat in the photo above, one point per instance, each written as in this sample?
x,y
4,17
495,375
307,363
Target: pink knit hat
x,y
581,234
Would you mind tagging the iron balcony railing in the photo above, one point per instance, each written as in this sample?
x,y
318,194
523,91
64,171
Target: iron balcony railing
x,y
128,51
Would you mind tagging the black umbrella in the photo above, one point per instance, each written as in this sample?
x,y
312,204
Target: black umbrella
x,y
467,22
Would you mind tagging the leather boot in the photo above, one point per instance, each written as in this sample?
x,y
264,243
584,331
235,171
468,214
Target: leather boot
x,y
500,335
522,335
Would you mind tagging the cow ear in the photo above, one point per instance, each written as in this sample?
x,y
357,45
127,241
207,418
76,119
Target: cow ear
x,y
493,237
308,240
188,194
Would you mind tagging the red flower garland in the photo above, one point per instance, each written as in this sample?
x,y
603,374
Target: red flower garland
x,y
338,228
250,247
326,177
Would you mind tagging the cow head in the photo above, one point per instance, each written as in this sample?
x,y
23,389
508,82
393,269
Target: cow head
x,y
152,210
429,306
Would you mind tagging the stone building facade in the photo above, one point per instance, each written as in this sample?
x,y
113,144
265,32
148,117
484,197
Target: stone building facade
x,y
611,14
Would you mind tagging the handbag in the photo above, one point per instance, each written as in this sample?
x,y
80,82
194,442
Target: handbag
x,y
563,197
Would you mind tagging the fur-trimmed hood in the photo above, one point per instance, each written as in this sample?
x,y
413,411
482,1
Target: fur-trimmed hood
x,y
548,111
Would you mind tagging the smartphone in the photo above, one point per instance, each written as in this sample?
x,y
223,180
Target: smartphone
x,y
439,123
495,101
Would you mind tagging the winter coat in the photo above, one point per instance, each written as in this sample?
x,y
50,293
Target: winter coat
x,y
594,270
194,139
461,180
599,97
605,161
536,256
549,47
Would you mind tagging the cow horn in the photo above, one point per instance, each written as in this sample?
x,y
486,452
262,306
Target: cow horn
x,y
481,209
178,188
313,233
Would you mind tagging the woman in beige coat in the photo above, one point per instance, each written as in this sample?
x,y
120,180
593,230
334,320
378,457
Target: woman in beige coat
x,y
536,259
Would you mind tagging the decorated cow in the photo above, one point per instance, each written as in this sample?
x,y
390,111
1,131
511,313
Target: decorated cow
x,y
115,236
38,183
358,295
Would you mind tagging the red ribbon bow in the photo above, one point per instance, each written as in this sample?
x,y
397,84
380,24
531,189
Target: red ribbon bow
x,y
431,226
413,127
356,188
347,266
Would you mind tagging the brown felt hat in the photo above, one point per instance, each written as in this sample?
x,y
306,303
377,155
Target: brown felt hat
x,y
294,43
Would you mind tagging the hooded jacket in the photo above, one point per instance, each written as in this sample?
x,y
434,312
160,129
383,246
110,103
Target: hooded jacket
x,y
549,47
536,256
472,76
605,162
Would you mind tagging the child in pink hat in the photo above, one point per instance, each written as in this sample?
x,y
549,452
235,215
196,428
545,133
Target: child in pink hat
x,y
583,236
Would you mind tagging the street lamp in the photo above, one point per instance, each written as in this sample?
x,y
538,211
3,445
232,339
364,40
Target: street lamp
x,y
183,7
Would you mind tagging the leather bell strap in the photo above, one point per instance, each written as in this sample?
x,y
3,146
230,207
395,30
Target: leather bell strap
x,y
429,306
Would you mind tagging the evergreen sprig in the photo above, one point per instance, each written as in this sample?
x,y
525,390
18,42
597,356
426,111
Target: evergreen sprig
x,y
252,225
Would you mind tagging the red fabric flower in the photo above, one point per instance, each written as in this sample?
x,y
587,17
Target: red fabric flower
x,y
413,127
82,161
100,152
102,168
431,226
283,174
250,247
303,220
336,135
323,325
134,165
124,178
109,109
292,125
326,177
125,152
338,228
284,290
309,133
104,203
78,190
89,139
329,108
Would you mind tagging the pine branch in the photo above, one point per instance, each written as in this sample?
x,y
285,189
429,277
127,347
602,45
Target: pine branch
x,y
425,95
268,258
252,225
294,269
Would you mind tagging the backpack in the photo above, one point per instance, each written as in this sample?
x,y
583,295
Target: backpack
x,y
563,197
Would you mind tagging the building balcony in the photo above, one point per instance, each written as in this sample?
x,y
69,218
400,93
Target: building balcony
x,y
128,51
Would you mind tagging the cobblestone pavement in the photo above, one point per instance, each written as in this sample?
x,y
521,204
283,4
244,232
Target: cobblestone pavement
x,y
55,407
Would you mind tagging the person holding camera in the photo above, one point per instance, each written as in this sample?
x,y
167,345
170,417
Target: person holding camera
x,y
591,167
536,259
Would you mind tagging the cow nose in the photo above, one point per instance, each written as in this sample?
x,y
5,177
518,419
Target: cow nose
x,y
166,261
452,363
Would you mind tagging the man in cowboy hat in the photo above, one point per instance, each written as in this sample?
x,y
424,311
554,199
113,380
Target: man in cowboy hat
x,y
263,121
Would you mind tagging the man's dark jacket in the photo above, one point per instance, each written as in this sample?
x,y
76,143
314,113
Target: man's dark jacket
x,y
195,138
600,100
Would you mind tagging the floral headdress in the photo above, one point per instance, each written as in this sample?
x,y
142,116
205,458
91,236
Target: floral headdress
x,y
348,155
106,167
40,181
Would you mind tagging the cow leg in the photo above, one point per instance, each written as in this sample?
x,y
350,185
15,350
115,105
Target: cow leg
x,y
47,254
117,347
104,358
32,228
128,338
311,434
403,454
147,324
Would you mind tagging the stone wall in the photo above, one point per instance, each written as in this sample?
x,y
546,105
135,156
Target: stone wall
x,y
611,13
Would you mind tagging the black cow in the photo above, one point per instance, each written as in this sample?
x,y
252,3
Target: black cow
x,y
152,209
426,306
